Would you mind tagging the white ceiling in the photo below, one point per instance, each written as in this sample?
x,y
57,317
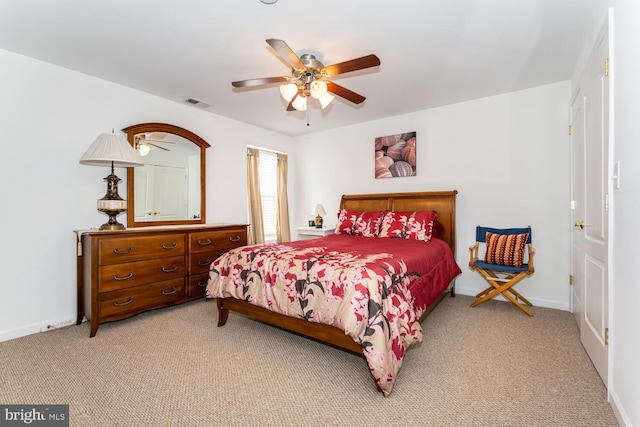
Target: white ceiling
x,y
432,52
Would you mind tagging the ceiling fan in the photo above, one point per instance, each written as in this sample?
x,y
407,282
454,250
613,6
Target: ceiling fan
x,y
308,77
142,143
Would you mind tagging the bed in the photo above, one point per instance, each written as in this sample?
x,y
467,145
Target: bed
x,y
364,289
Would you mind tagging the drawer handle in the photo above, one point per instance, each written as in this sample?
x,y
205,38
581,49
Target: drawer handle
x,y
201,284
205,262
204,242
119,252
128,276
235,239
170,270
120,304
171,292
172,246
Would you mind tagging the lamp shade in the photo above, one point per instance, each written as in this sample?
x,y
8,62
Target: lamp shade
x,y
288,91
318,210
318,89
300,103
325,100
108,148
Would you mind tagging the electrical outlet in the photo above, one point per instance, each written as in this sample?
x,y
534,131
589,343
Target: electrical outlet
x,y
52,326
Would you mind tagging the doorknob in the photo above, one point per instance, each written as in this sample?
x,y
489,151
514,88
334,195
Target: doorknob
x,y
579,224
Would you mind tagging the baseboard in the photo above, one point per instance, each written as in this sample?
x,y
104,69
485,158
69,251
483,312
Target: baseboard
x,y
19,333
618,410
535,301
37,328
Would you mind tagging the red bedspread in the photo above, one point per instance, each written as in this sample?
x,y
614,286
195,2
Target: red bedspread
x,y
374,289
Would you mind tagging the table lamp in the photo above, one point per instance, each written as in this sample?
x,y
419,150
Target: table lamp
x,y
318,210
111,150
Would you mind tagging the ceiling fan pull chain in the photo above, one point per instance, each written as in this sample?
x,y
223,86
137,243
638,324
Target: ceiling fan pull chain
x,y
307,116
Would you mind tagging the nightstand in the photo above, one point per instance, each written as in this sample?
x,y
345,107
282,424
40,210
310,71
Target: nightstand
x,y
304,233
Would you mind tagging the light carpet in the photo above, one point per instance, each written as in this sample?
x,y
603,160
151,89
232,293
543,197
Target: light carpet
x,y
485,366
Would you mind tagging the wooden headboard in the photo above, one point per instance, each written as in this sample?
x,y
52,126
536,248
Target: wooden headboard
x,y
443,202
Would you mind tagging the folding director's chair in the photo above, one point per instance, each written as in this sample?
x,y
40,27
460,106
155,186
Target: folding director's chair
x,y
503,265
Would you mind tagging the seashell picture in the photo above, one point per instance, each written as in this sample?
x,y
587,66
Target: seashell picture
x,y
395,155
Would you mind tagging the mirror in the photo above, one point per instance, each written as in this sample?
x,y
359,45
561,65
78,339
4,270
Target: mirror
x,y
170,188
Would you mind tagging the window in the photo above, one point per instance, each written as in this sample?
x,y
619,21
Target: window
x,y
267,201
269,192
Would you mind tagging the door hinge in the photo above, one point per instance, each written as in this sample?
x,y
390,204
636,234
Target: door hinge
x,y
570,129
606,336
606,67
572,205
571,279
606,202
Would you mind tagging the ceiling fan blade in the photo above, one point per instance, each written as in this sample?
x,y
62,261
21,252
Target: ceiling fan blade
x,y
157,146
290,106
352,65
345,93
286,54
161,142
258,82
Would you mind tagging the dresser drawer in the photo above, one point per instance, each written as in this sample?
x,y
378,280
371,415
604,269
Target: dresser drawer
x,y
127,275
201,261
206,241
133,248
141,297
197,285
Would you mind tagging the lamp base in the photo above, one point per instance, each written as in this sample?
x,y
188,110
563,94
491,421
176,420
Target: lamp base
x,y
318,221
112,227
112,204
113,223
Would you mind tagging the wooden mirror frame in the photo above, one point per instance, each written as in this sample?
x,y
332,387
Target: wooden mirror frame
x,y
131,131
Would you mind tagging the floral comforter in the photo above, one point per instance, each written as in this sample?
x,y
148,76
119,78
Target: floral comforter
x,y
374,289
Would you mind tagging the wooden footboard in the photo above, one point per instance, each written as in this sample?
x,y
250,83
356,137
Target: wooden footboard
x,y
325,333
317,331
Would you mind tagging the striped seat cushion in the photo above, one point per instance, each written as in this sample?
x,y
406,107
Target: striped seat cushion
x,y
505,249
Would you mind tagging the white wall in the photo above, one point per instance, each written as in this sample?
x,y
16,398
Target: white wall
x,y
507,155
625,334
49,116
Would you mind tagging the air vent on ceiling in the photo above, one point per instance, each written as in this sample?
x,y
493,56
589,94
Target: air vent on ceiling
x,y
198,103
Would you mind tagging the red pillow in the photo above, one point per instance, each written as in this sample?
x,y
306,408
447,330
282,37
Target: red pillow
x,y
417,225
438,230
358,223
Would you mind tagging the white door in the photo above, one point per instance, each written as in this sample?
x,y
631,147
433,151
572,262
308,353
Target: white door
x,y
170,193
577,196
590,184
144,193
161,193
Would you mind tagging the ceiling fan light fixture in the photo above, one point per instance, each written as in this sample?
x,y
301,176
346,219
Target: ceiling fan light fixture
x,y
326,100
318,89
288,91
300,103
144,149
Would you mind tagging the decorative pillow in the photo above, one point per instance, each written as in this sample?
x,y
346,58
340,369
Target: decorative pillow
x,y
438,230
417,225
505,249
358,223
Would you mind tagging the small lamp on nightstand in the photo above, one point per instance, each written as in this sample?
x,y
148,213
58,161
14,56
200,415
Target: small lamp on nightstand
x,y
318,211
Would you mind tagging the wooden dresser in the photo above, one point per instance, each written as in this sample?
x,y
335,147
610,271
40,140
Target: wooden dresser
x,y
123,273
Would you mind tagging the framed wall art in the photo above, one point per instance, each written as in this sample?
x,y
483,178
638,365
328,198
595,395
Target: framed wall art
x,y
395,155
